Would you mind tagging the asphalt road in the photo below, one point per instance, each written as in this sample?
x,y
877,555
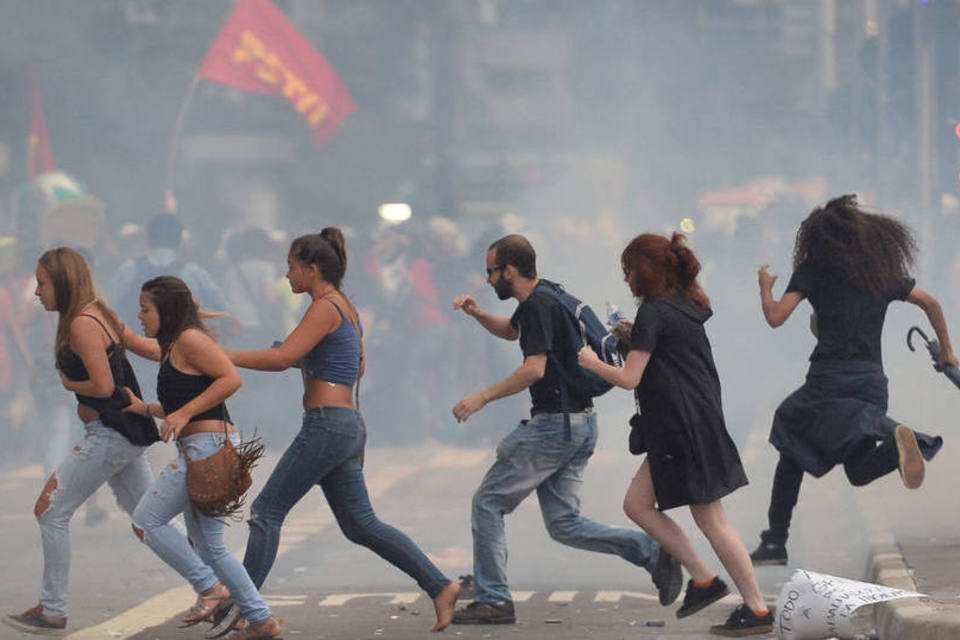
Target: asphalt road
x,y
325,587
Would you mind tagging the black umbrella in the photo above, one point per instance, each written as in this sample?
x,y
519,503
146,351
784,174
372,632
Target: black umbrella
x,y
934,348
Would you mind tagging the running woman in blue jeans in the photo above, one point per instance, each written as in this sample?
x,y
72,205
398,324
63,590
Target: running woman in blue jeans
x,y
539,455
328,451
194,380
90,350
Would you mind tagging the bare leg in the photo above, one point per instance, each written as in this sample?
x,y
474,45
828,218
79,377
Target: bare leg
x,y
712,520
641,507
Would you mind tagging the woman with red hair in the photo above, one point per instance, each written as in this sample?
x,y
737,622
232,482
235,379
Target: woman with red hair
x,y
691,459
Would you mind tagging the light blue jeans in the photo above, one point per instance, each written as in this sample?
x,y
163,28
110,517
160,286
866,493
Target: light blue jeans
x,y
535,456
326,452
103,456
212,560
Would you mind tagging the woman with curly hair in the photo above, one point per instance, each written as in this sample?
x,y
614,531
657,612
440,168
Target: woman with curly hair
x,y
850,264
691,459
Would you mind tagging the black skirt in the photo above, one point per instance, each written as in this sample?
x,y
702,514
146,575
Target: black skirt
x,y
842,405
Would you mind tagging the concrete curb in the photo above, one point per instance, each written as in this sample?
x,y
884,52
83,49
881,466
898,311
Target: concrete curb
x,y
909,618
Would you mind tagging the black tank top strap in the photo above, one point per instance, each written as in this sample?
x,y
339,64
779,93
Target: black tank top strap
x,y
102,326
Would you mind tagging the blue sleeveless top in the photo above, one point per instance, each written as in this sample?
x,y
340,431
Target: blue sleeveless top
x,y
336,358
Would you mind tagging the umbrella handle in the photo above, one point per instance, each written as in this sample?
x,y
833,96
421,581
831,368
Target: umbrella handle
x,y
910,337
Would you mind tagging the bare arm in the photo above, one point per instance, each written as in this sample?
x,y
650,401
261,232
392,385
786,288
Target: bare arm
x,y
320,319
196,351
497,325
775,311
532,369
144,347
626,377
86,340
931,306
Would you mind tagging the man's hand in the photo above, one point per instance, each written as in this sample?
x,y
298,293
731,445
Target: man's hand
x,y
588,359
469,406
467,304
765,278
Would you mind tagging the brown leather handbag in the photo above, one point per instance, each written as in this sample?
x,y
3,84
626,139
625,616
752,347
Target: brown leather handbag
x,y
218,483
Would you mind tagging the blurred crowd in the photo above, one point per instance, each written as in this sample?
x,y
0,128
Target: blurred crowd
x,y
402,276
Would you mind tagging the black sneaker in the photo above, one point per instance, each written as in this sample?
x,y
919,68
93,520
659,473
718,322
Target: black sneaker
x,y
485,613
744,622
769,553
667,576
35,621
468,587
697,598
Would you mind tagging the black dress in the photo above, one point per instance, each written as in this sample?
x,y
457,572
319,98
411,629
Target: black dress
x,y
692,458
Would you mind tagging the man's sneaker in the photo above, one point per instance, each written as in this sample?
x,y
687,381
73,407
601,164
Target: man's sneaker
x,y
744,622
468,587
697,598
485,613
769,553
667,576
911,463
34,621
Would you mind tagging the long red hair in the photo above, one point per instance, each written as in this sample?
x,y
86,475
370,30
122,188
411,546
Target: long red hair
x,y
656,266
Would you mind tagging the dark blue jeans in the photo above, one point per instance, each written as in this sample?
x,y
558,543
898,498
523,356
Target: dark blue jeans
x,y
326,452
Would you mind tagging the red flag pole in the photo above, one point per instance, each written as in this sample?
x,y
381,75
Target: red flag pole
x,y
170,200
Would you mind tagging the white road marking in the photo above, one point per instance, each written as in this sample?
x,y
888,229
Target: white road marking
x,y
562,596
162,607
340,599
616,596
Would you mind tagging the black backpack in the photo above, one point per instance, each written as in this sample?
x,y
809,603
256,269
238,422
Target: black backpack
x,y
584,329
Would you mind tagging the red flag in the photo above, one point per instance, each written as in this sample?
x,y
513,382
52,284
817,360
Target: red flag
x,y
39,156
261,51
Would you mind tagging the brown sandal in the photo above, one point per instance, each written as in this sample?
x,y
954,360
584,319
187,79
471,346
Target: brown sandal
x,y
269,629
206,605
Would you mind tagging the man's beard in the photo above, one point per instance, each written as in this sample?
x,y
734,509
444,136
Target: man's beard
x,y
503,289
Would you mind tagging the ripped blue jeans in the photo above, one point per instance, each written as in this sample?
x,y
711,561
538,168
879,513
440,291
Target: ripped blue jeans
x,y
103,456
211,560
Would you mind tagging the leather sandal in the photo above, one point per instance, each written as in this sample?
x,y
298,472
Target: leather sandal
x,y
269,629
206,606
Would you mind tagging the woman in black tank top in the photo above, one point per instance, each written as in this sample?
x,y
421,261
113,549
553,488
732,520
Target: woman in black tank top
x,y
90,355
195,379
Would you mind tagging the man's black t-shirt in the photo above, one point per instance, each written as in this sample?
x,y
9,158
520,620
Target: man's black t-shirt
x,y
849,318
543,330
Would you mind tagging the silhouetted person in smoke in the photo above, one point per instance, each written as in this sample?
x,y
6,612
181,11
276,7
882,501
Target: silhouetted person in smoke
x,y
164,237
850,265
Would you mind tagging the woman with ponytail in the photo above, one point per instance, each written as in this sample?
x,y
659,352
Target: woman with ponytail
x,y
691,459
327,345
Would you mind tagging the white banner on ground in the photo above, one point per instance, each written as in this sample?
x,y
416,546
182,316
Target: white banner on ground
x,y
815,606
